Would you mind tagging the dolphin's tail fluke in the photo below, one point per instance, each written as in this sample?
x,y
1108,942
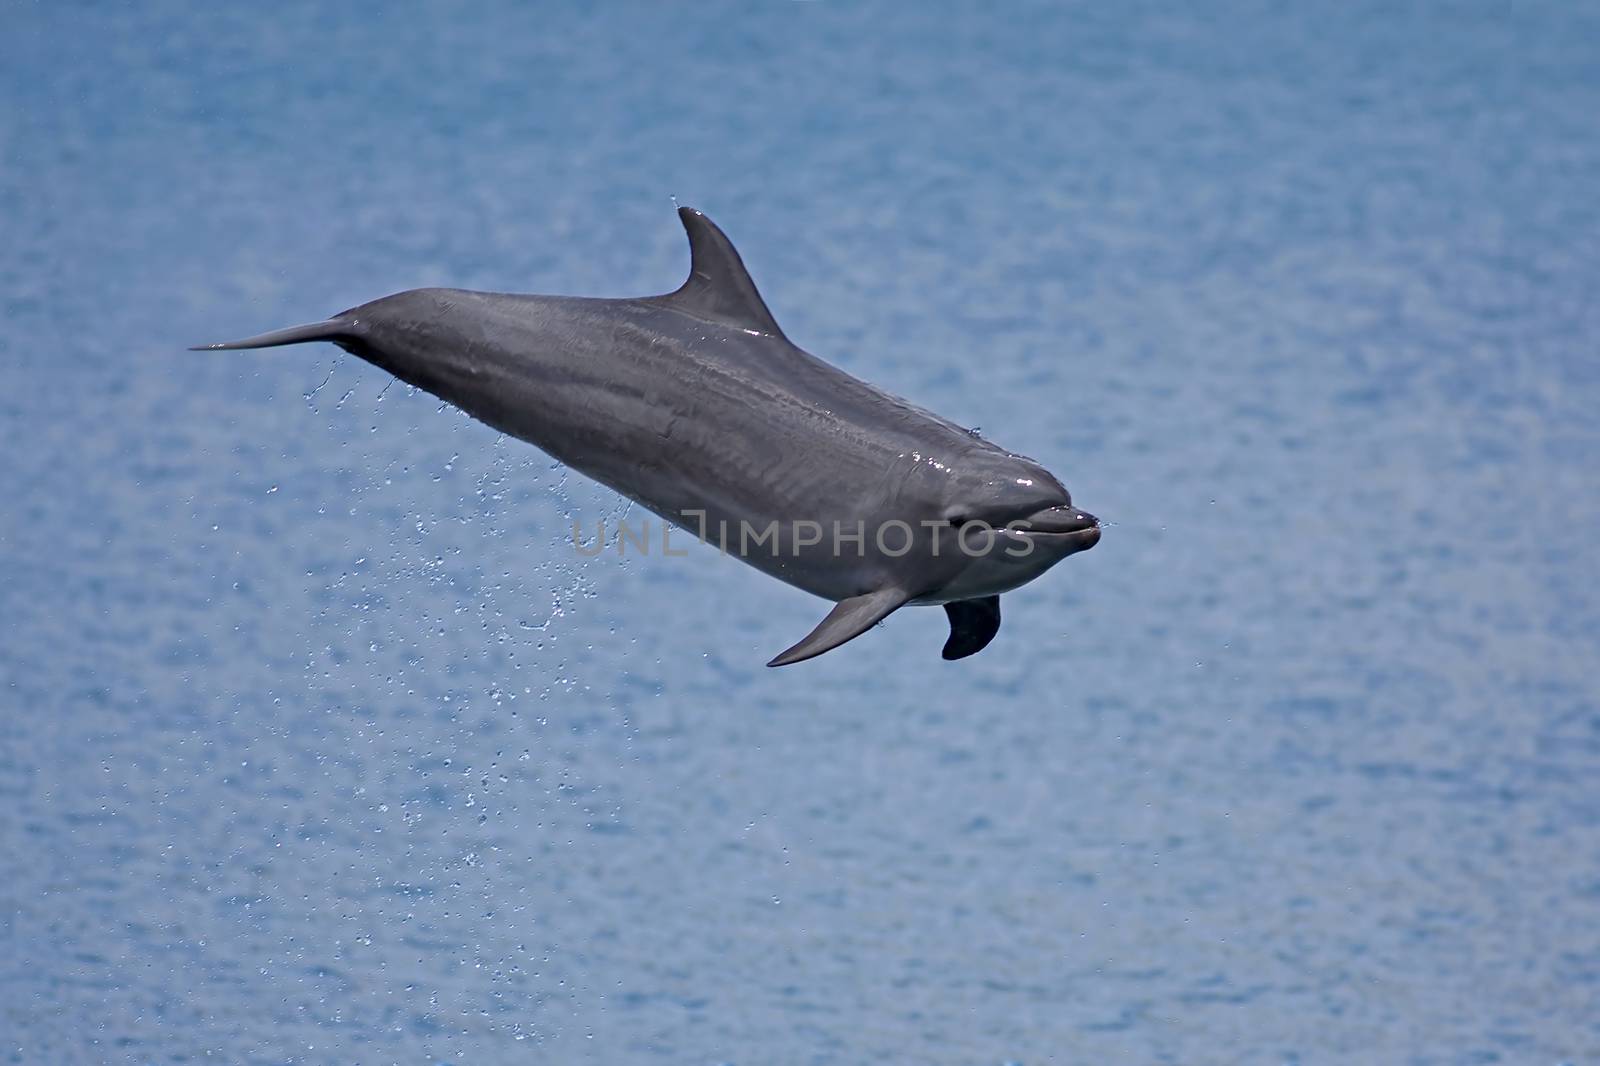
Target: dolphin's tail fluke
x,y
332,329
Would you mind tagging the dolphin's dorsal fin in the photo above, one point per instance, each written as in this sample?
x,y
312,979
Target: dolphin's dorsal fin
x,y
719,287
848,620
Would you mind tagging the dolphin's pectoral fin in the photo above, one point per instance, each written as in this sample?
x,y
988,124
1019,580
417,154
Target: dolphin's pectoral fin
x,y
973,624
719,287
333,329
848,620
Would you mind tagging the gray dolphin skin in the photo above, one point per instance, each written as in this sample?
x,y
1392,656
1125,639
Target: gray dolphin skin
x,y
695,405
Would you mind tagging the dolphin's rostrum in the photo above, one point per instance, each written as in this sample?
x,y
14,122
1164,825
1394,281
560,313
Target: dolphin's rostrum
x,y
696,405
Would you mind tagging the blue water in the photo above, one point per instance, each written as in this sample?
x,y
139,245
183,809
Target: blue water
x,y
320,744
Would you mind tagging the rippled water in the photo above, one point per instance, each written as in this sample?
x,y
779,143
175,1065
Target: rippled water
x,y
320,744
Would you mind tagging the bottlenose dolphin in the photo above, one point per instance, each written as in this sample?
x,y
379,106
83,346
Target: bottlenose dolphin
x,y
695,405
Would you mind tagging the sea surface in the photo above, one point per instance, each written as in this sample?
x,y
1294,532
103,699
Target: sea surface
x,y
319,743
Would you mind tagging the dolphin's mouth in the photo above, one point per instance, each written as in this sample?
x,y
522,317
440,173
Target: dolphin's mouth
x,y
1060,524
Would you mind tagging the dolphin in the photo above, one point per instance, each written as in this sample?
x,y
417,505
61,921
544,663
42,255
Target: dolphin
x,y
695,405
